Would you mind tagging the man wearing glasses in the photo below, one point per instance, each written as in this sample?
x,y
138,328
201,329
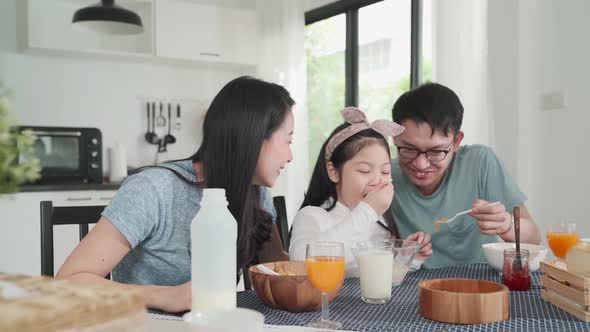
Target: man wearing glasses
x,y
435,177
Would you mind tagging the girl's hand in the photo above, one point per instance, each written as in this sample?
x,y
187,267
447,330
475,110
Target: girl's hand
x,y
380,198
425,250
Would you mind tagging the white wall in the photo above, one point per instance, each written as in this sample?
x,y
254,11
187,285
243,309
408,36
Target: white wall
x,y
280,21
505,60
557,159
459,60
108,94
538,47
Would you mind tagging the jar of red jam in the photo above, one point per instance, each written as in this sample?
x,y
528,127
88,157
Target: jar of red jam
x,y
516,273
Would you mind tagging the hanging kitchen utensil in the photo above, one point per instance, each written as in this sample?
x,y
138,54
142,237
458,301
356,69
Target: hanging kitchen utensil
x,y
169,138
150,135
177,116
162,145
155,138
161,120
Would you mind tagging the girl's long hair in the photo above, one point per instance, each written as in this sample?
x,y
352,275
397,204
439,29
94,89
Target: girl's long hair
x,y
321,189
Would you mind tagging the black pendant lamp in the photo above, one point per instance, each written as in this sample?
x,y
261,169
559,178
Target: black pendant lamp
x,y
108,18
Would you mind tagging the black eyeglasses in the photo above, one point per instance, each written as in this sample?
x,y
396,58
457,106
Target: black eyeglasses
x,y
432,155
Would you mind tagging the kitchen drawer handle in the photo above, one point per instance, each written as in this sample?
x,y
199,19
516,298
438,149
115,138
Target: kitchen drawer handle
x,y
78,199
210,54
106,198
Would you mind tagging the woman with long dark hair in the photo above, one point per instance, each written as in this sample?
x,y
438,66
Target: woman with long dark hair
x,y
143,236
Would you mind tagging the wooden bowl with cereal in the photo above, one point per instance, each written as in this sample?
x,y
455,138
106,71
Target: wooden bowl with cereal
x,y
291,290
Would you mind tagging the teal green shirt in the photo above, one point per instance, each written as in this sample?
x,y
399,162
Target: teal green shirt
x,y
474,173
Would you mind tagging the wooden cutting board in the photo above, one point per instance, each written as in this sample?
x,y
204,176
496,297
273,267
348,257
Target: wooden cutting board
x,y
61,305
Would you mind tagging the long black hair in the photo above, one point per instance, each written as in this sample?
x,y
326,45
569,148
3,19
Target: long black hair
x,y
321,189
243,114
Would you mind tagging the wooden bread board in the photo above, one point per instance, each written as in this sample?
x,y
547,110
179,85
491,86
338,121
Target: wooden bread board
x,y
61,305
568,291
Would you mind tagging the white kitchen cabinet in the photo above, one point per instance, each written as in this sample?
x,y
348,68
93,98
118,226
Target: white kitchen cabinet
x,y
49,28
189,31
174,31
20,234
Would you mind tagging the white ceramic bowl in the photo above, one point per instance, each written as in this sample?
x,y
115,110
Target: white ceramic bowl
x,y
494,253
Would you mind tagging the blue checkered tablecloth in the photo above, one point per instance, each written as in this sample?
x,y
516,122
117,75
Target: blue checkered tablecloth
x,y
528,312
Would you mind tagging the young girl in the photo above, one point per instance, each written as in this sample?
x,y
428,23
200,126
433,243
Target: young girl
x,y
143,236
350,191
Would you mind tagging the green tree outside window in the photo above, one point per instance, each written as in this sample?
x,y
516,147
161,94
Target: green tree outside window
x,y
326,85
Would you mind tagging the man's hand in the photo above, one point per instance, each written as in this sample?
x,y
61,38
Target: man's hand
x,y
492,220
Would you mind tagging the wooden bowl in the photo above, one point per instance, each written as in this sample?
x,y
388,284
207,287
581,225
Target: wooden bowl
x,y
291,291
464,301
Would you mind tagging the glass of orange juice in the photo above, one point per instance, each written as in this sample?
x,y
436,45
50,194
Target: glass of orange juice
x,y
561,237
325,269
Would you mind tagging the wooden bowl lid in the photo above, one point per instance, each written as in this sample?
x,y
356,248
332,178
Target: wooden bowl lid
x,y
464,301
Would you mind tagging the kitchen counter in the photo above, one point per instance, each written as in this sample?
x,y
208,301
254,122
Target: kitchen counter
x,y
68,187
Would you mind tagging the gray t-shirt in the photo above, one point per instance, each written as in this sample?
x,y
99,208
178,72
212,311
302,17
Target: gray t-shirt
x,y
153,210
475,172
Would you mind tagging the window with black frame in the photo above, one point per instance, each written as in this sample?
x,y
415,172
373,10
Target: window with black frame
x,y
363,53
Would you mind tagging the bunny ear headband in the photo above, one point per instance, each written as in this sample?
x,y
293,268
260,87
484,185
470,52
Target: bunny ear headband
x,y
358,121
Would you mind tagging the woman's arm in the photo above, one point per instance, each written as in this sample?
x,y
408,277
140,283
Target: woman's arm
x,y
100,251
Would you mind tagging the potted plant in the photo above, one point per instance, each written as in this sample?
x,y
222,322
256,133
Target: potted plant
x,y
14,145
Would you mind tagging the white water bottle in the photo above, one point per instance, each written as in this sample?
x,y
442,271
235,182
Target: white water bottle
x,y
214,234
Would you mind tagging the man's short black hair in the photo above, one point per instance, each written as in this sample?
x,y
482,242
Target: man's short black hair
x,y
430,103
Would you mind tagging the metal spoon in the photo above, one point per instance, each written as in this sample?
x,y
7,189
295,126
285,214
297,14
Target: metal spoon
x,y
468,211
267,270
150,135
161,120
169,138
517,265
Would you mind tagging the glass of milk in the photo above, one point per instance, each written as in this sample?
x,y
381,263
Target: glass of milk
x,y
374,259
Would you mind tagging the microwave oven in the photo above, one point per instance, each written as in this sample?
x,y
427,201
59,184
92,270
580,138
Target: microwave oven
x,y
67,155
